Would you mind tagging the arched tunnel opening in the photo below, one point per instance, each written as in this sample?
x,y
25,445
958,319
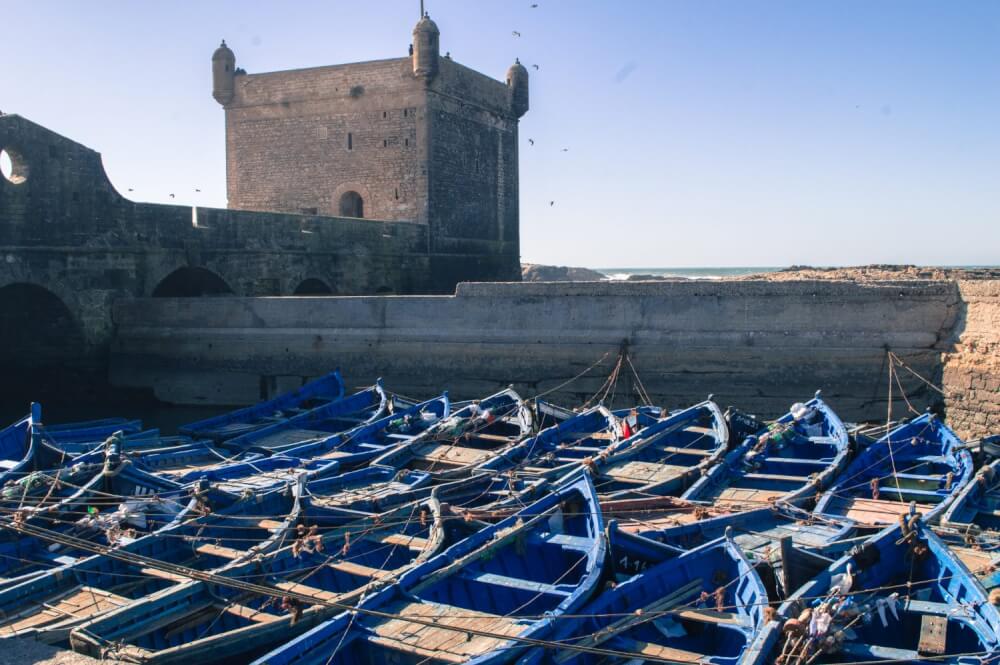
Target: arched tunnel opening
x,y
43,349
312,287
191,283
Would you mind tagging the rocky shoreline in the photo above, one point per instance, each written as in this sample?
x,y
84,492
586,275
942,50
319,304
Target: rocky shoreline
x,y
532,272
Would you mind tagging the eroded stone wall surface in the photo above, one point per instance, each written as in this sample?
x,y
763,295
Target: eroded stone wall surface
x,y
759,345
971,368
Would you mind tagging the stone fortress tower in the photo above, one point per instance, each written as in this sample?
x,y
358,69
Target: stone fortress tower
x,y
419,138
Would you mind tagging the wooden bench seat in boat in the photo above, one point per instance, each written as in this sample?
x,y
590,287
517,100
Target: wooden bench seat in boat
x,y
581,543
257,616
743,495
291,437
402,540
867,511
162,574
357,569
644,472
711,616
75,604
270,525
440,643
499,438
8,464
514,583
686,451
298,587
219,551
907,492
454,454
657,651
931,607
799,460
776,477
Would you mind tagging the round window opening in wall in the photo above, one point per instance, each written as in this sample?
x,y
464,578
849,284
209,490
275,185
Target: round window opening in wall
x,y
12,166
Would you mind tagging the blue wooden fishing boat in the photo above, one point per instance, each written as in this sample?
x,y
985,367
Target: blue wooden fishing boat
x,y
901,597
921,461
185,459
108,503
561,449
510,580
971,525
89,431
323,390
198,621
704,606
370,489
25,447
789,462
361,445
321,422
665,456
208,536
466,439
325,457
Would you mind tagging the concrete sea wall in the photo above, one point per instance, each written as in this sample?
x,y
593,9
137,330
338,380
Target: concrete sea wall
x,y
759,345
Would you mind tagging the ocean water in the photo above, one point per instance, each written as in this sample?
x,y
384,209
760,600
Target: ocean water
x,y
708,272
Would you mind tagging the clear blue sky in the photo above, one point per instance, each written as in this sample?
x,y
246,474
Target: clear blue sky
x,y
699,132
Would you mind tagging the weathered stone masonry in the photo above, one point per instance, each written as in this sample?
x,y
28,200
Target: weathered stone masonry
x,y
69,238
759,345
419,138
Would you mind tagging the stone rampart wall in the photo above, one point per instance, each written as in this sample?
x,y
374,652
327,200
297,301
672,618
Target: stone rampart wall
x,y
759,345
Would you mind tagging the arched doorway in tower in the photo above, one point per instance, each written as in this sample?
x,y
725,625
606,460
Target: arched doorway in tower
x,y
352,205
190,282
312,287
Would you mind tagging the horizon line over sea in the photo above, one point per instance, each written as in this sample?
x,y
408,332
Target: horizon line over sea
x,y
721,272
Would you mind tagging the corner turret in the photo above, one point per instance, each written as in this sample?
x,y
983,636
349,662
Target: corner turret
x,y
517,84
223,74
426,48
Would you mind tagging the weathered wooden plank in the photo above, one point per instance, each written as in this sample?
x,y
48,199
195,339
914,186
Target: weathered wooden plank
x,y
933,633
257,616
358,569
219,551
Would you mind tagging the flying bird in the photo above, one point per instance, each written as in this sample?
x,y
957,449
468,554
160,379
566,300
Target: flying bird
x,y
171,196
516,33
534,6
551,203
530,142
536,67
565,149
198,190
130,189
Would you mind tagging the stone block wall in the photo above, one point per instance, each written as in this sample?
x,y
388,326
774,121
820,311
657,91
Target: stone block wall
x,y
971,368
758,345
297,140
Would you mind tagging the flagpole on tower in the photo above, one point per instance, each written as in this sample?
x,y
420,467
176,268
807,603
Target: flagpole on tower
x,y
421,8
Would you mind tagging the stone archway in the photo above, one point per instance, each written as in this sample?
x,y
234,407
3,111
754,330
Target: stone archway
x,y
312,287
351,205
37,329
351,199
191,282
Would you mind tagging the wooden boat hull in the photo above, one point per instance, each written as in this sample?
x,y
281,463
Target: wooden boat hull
x,y
921,462
328,388
544,561
922,605
790,462
195,622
